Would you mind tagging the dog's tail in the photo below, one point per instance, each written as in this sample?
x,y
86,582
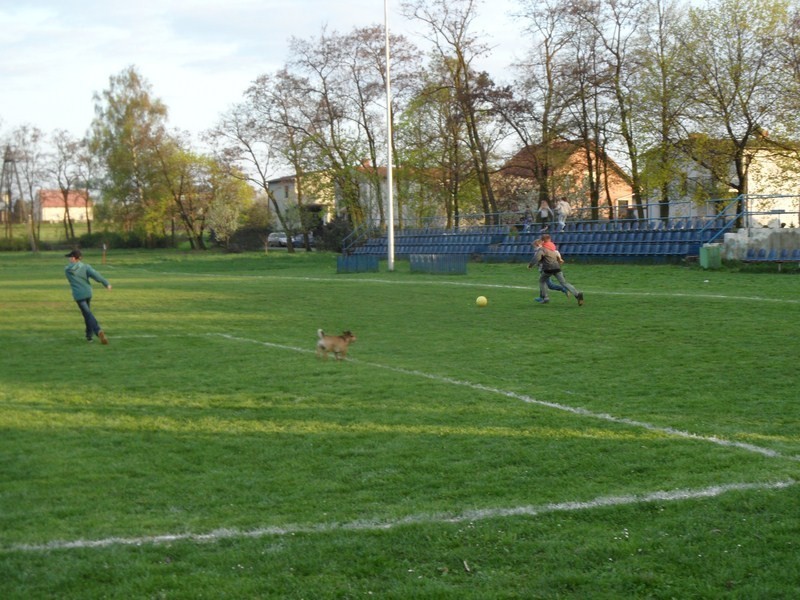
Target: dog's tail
x,y
320,333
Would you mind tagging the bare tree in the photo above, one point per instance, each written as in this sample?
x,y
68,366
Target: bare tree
x,y
66,172
615,23
30,159
589,112
332,121
280,110
243,145
365,63
88,171
536,113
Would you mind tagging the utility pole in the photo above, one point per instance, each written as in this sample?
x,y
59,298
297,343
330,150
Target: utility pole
x,y
8,177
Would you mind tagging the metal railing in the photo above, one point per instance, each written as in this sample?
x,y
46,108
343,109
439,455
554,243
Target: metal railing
x,y
717,217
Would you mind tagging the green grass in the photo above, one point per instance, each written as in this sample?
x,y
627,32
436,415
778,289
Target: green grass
x,y
645,445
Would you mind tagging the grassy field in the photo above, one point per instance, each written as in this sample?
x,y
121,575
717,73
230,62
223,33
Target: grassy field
x,y
645,445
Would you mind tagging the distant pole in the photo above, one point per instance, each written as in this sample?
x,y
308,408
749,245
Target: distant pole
x,y
389,181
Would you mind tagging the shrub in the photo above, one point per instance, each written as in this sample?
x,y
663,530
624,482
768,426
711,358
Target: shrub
x,y
17,244
249,238
114,239
333,234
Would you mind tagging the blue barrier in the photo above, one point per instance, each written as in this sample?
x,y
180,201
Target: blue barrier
x,y
449,264
357,263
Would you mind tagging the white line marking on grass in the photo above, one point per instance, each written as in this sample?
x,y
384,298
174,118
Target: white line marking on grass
x,y
418,519
476,284
529,400
532,288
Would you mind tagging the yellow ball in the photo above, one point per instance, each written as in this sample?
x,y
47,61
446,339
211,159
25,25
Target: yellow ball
x,y
481,301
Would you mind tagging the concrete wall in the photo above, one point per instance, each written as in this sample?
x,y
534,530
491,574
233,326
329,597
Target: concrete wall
x,y
735,245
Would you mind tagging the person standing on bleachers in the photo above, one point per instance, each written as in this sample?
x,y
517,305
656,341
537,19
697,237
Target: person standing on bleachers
x,y
545,214
563,209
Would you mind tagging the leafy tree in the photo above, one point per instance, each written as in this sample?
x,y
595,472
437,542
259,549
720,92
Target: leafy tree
x,y
229,199
449,23
738,73
663,97
185,177
434,157
128,128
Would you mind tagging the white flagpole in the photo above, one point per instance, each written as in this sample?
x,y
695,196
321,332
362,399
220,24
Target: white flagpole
x,y
389,168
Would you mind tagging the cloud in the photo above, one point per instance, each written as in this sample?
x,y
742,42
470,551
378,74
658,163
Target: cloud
x,y
198,55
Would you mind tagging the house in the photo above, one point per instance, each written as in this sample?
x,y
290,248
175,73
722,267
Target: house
x,y
773,189
322,196
773,183
51,207
317,197
569,178
517,185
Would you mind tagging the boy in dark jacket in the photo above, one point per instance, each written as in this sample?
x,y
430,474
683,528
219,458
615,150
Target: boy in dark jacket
x,y
78,274
550,263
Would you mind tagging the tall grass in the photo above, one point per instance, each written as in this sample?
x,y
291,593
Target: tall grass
x,y
645,445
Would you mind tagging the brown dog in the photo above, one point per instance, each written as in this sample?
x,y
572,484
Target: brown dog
x,y
334,343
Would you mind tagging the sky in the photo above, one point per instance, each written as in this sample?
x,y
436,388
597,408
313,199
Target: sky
x,y
199,56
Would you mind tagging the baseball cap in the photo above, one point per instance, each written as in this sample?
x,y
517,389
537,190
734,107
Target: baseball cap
x,y
74,254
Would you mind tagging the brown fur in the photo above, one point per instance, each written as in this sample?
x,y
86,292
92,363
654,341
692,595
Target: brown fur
x,y
334,343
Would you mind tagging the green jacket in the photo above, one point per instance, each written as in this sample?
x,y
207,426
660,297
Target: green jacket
x,y
78,274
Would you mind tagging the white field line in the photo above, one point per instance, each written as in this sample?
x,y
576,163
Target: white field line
x,y
476,284
528,399
532,288
418,519
435,518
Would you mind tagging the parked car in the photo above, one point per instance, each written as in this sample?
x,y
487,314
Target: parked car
x,y
298,240
277,238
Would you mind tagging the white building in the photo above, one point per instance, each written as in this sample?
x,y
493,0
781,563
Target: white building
x,y
52,208
773,197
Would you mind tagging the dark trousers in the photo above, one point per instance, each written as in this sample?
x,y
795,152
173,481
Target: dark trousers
x,y
92,326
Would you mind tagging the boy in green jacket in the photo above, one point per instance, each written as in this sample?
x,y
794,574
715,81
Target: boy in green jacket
x,y
78,274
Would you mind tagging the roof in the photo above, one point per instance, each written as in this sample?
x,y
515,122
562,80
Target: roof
x,y
560,152
55,199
